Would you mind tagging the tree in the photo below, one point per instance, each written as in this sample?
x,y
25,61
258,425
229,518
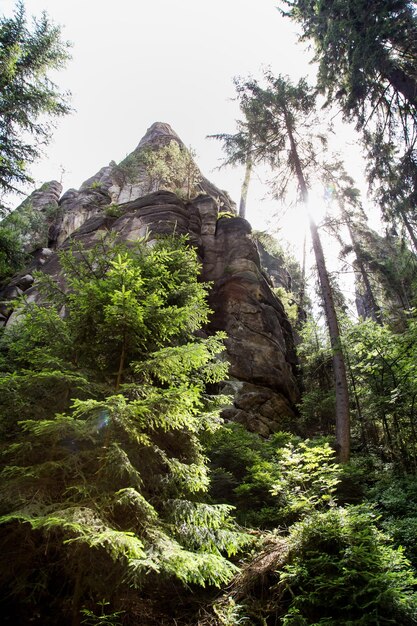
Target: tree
x,y
284,121
384,265
27,93
101,413
367,53
241,149
393,180
383,364
367,56
341,189
329,553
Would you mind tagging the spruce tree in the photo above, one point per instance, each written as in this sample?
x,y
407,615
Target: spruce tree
x,y
285,130
103,401
367,59
28,97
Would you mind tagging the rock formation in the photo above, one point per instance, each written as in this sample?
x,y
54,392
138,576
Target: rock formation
x,y
260,345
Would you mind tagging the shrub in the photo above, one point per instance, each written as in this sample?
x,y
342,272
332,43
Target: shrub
x,y
271,482
342,571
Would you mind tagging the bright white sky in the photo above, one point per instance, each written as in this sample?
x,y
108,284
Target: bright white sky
x,y
140,61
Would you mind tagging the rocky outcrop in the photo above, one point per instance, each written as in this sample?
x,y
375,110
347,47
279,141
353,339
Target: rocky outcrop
x,y
34,218
260,345
127,181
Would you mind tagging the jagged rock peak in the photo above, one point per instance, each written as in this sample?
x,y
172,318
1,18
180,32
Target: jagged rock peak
x,y
46,195
158,133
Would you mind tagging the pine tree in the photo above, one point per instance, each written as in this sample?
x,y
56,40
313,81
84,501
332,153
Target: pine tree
x,y
241,149
103,472
367,56
27,94
367,53
285,121
352,215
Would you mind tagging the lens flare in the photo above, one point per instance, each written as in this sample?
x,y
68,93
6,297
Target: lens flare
x,y
103,419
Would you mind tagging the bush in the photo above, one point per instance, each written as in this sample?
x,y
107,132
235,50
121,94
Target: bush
x,y
396,499
274,482
342,571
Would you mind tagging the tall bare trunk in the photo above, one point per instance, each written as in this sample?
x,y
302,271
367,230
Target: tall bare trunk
x,y
245,185
339,369
301,315
409,229
376,312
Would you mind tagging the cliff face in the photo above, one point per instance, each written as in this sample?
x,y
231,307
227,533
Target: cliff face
x,y
128,201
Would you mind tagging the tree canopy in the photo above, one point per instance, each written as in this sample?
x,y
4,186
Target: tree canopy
x,y
367,53
29,99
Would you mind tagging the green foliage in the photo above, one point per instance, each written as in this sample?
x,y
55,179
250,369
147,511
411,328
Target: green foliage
x,y
11,253
113,210
273,482
228,613
28,95
308,478
383,364
396,499
365,58
239,147
277,108
245,477
318,403
104,619
288,302
102,410
341,571
226,214
170,167
392,267
366,64
129,166
23,231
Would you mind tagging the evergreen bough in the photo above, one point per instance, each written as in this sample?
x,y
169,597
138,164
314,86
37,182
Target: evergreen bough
x,y
103,403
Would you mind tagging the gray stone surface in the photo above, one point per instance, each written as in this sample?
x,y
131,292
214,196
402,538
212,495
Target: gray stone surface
x,y
260,346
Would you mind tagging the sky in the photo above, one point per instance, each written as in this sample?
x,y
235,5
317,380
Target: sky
x,y
135,62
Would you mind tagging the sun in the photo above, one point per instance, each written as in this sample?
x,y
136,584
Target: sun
x,y
318,204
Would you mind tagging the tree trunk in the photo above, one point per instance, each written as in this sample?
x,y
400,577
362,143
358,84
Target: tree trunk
x,y
121,366
245,186
409,229
339,369
359,413
301,314
376,313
